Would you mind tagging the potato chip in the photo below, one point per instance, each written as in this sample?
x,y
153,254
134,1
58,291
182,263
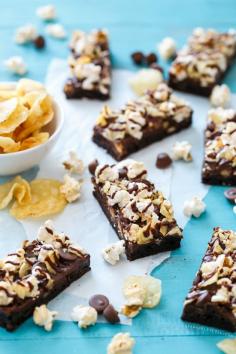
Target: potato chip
x,y
7,91
7,144
145,288
25,86
46,200
34,140
17,117
18,188
7,107
227,346
25,109
40,115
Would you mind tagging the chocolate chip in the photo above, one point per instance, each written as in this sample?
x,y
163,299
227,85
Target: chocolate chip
x,y
39,42
92,166
151,58
230,194
66,256
138,58
163,160
156,66
123,172
111,315
99,302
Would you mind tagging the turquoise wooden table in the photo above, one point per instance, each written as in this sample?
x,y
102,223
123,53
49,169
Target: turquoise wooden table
x,y
132,25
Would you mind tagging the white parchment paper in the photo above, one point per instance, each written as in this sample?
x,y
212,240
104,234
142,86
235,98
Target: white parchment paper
x,y
84,221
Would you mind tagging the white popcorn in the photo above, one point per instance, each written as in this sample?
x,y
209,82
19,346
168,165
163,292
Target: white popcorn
x,y
74,164
121,343
25,34
143,290
84,315
167,48
46,13
145,79
228,346
182,151
16,65
113,252
44,317
71,189
220,96
194,207
56,30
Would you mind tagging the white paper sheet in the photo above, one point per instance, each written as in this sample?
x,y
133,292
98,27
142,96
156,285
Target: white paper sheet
x,y
84,221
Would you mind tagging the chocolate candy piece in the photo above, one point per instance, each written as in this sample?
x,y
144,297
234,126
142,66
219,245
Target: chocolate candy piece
x,y
138,58
92,166
156,67
230,194
151,58
99,303
163,160
111,315
66,256
39,42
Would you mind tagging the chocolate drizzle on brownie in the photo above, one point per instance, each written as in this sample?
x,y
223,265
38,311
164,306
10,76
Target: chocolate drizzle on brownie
x,y
212,299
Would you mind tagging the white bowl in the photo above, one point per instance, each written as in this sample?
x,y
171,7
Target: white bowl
x,y
16,162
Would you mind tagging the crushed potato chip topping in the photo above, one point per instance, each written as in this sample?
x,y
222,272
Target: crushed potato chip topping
x,y
24,112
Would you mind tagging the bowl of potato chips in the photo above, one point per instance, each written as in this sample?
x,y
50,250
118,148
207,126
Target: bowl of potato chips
x,y
30,124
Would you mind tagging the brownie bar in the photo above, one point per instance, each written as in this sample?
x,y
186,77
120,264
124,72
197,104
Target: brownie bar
x,y
148,119
90,66
212,299
219,165
36,273
139,214
203,62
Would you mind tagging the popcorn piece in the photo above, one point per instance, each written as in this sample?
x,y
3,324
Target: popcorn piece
x,y
143,290
71,189
182,151
220,96
121,343
56,31
74,164
84,315
46,13
167,48
44,317
145,79
228,346
112,253
194,207
16,65
25,34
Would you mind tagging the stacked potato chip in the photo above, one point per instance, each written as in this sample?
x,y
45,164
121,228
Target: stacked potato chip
x,y
25,109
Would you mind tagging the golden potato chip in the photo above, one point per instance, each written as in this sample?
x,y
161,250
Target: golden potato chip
x,y
46,200
25,86
7,90
18,188
40,115
34,140
17,117
7,107
7,144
